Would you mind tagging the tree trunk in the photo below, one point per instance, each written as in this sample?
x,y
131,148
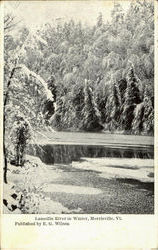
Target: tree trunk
x,y
4,123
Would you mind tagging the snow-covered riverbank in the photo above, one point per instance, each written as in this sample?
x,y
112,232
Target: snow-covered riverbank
x,y
91,185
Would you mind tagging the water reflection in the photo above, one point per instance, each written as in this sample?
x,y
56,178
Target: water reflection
x,y
65,154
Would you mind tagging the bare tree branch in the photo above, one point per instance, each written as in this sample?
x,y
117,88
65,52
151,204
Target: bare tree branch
x,y
9,22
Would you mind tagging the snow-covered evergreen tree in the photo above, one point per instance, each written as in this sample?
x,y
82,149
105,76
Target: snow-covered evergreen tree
x,y
113,107
20,136
137,123
56,119
148,118
132,98
90,113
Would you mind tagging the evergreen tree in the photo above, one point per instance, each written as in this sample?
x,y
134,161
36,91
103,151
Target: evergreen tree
x,y
137,124
132,98
20,135
101,100
78,103
122,84
56,119
49,107
148,118
113,107
90,112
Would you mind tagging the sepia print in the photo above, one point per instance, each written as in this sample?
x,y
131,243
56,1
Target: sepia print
x,y
78,107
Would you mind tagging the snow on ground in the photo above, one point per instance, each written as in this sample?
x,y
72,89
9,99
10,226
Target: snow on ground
x,y
71,189
33,175
48,206
41,180
139,169
40,177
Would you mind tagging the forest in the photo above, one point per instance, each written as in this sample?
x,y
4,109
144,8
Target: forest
x,y
84,78
71,76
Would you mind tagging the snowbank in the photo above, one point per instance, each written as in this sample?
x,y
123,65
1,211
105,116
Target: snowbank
x,y
139,169
71,189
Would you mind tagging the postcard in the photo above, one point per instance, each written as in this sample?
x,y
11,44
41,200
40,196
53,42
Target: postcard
x,y
79,125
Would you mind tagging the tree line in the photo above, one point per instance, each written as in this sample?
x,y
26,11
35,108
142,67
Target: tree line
x,y
101,77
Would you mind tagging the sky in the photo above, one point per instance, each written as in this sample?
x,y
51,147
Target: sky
x,y
35,13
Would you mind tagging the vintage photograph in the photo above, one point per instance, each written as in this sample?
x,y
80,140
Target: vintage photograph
x,y
78,107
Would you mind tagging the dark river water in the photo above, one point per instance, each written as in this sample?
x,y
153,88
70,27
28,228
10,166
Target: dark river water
x,y
100,179
52,154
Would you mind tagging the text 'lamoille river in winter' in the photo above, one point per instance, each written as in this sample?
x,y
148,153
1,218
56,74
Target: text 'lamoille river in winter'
x,y
99,179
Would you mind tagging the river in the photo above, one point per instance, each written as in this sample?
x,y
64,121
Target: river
x,y
98,173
